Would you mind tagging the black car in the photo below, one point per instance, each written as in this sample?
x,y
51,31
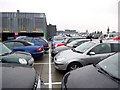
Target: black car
x,y
105,74
6,55
70,45
18,76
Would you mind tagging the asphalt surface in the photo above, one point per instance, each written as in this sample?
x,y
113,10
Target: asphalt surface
x,y
50,76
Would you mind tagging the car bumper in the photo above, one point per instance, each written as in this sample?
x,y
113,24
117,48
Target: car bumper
x,y
31,61
60,66
53,53
37,54
46,48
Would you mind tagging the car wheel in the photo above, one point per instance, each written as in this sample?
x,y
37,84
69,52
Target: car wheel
x,y
73,66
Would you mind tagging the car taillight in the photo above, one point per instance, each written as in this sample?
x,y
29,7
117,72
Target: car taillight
x,y
46,45
55,45
39,49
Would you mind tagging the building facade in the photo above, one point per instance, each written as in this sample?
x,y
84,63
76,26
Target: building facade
x,y
22,22
51,31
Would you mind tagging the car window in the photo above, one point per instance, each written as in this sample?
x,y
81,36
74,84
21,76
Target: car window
x,y
40,40
79,43
72,43
115,47
111,65
84,47
30,40
58,38
9,44
4,49
102,48
18,44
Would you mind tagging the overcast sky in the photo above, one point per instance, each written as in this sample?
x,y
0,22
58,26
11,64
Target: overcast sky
x,y
80,15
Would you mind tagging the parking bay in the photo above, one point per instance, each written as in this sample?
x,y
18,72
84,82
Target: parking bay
x,y
50,76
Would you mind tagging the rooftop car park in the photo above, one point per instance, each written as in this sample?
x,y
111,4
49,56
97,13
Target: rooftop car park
x,y
49,75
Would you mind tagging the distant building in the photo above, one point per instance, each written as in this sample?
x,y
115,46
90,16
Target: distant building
x,y
68,32
51,31
22,22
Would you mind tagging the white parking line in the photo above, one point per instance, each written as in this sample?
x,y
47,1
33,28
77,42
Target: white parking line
x,y
54,83
50,74
41,63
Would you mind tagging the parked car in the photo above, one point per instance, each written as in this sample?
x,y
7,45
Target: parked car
x,y
70,45
87,53
116,38
67,40
70,39
16,76
56,40
39,41
25,46
6,55
108,36
103,76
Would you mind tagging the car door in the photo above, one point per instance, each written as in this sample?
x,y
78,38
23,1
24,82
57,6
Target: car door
x,y
101,51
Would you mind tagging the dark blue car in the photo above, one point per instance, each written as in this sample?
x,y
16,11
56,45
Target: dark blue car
x,y
17,45
36,40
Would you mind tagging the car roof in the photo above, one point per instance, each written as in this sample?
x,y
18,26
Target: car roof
x,y
104,41
77,40
15,41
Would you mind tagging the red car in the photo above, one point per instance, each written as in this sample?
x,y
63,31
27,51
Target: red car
x,y
59,44
116,38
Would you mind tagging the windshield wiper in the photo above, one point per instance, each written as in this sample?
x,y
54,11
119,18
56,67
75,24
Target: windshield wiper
x,y
101,70
6,53
76,50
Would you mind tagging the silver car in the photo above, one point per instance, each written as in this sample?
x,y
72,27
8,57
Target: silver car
x,y
87,53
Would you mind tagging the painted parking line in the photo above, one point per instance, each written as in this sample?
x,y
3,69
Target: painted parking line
x,y
53,83
41,63
50,73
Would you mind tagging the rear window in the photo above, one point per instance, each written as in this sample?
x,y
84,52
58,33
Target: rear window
x,y
57,38
115,47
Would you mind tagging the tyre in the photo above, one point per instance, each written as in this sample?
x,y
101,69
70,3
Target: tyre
x,y
73,66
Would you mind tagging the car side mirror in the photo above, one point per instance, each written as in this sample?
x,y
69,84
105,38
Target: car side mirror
x,y
91,53
74,46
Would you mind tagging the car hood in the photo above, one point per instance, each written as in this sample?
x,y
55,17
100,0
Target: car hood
x,y
68,54
88,77
16,55
60,48
17,76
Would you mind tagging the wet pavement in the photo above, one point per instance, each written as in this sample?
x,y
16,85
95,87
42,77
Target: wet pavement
x,y
50,76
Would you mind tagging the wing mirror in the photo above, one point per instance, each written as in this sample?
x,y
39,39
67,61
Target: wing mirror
x,y
91,53
74,46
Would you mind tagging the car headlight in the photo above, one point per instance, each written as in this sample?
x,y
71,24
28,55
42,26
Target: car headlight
x,y
22,61
60,59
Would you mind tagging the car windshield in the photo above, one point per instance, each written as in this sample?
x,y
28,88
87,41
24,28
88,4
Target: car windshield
x,y
40,39
85,46
112,34
4,49
111,65
72,43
